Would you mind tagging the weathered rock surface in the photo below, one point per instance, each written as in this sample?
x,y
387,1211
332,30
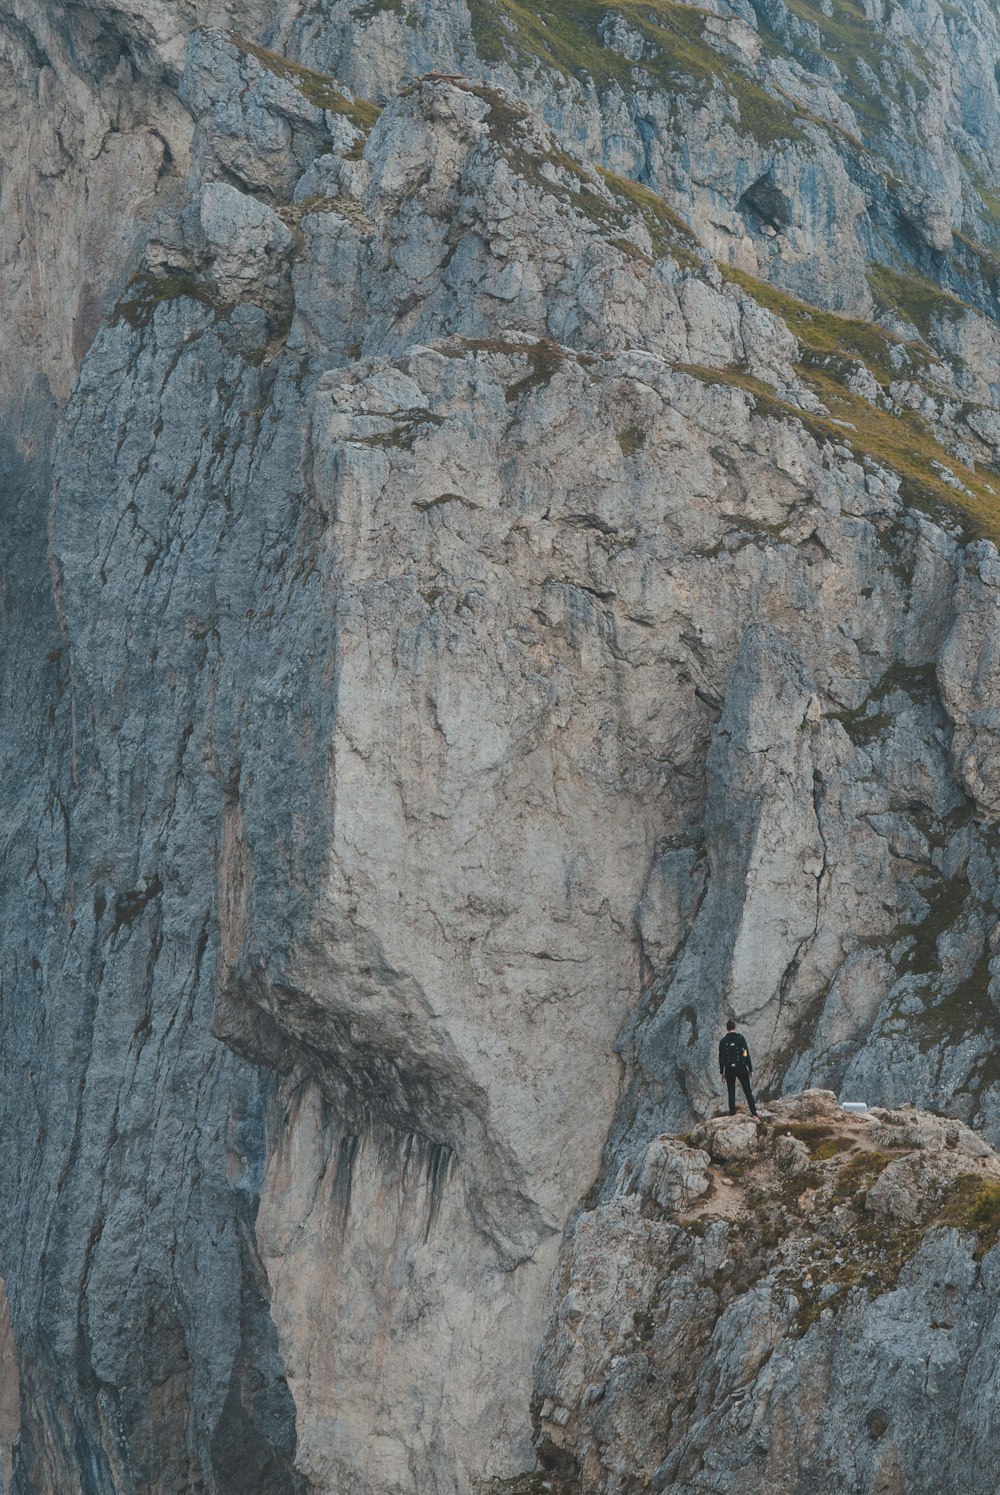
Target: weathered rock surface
x,y
459,643
817,1314
802,142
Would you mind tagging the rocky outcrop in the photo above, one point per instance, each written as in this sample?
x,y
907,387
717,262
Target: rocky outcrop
x,y
812,1310
801,146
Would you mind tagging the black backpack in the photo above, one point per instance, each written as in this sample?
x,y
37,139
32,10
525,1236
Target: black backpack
x,y
733,1051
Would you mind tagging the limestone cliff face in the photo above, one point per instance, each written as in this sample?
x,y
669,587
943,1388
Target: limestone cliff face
x,y
460,641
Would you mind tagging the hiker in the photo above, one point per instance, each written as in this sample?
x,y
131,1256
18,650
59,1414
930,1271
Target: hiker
x,y
735,1063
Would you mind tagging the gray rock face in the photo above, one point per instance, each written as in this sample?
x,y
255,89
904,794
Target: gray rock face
x,y
799,149
459,644
819,1327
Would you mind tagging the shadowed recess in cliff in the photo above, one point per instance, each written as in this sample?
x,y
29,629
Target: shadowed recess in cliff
x,y
389,1074
257,1427
312,1158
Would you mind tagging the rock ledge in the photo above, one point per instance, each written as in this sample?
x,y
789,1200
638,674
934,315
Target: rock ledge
x,y
749,1274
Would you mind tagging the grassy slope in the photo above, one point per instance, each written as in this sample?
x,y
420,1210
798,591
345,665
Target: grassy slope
x,y
831,347
564,36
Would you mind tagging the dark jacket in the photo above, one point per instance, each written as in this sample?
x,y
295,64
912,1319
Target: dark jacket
x,y
743,1052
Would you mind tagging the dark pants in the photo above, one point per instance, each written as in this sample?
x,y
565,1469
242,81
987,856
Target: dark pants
x,y
742,1074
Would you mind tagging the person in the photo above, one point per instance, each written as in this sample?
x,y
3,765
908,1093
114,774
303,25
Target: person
x,y
735,1063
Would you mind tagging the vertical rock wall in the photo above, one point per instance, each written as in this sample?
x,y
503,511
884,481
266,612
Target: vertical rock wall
x,y
439,681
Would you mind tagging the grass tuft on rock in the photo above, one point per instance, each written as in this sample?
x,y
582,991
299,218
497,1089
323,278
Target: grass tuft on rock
x,y
975,1205
318,89
146,291
914,298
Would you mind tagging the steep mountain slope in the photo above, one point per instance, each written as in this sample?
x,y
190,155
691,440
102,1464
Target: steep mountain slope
x,y
804,141
809,1306
464,632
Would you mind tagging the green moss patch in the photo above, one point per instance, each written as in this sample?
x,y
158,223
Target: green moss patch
x,y
795,1185
975,262
961,1014
867,722
859,50
946,899
632,440
825,333
858,1174
974,1204
407,428
822,1141
830,1147
901,442
668,232
422,505
565,38
932,478
545,359
610,202
523,1484
860,1251
512,127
